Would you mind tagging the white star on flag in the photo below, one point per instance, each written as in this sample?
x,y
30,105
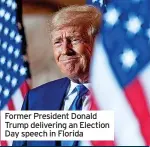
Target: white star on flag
x,y
12,34
14,82
133,25
22,71
9,2
4,45
18,38
14,6
15,67
128,58
16,53
8,78
2,12
6,30
9,63
2,60
6,92
7,16
111,17
10,49
13,20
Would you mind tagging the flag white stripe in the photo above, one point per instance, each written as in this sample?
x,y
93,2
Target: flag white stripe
x,y
144,79
85,143
9,143
111,97
17,99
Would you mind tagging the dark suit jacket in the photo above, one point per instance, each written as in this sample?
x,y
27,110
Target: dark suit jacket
x,y
49,96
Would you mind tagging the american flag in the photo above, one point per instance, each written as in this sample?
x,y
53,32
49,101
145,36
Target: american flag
x,y
13,68
120,70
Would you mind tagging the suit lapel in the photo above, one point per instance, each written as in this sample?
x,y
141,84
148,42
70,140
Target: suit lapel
x,y
53,98
55,95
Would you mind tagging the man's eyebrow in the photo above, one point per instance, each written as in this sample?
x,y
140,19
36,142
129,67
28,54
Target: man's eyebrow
x,y
56,38
75,35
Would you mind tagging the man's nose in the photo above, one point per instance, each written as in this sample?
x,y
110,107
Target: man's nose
x,y
66,47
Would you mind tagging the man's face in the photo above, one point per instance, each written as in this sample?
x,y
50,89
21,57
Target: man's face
x,y
72,50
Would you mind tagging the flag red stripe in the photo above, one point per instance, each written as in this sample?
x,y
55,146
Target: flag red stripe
x,y
99,143
93,102
137,100
102,143
10,105
3,143
24,89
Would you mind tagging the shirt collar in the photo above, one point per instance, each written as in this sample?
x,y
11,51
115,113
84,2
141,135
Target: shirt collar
x,y
73,85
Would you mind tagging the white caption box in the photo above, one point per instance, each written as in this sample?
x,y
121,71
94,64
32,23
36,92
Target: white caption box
x,y
57,125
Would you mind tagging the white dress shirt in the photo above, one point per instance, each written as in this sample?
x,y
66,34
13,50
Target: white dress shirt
x,y
70,97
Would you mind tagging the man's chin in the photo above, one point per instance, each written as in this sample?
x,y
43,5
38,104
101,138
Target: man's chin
x,y
70,75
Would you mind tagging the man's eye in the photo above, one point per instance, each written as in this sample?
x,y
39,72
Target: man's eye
x,y
76,40
56,42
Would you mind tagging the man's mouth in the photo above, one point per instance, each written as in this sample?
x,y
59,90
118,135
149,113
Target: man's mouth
x,y
69,59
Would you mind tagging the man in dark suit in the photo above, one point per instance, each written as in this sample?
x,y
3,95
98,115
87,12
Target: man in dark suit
x,y
73,31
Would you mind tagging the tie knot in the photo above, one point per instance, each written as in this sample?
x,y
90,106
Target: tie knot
x,y
80,88
77,103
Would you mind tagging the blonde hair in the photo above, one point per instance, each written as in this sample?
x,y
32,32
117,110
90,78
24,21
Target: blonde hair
x,y
86,15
